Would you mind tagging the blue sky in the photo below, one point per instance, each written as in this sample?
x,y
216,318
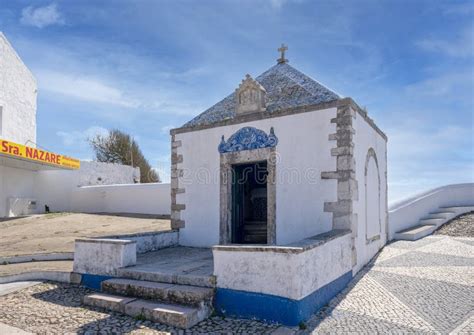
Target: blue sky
x,y
147,66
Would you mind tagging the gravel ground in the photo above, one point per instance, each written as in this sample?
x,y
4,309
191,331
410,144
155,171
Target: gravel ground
x,y
461,226
56,232
54,308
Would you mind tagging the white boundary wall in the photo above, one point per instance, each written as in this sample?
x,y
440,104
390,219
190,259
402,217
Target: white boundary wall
x,y
61,194
406,213
152,198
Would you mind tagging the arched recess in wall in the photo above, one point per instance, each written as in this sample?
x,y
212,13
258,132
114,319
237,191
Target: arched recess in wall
x,y
372,197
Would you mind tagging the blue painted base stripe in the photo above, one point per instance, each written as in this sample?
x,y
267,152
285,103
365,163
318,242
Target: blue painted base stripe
x,y
272,308
93,281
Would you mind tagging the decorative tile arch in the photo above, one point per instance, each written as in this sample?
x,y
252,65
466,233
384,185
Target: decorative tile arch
x,y
248,138
371,155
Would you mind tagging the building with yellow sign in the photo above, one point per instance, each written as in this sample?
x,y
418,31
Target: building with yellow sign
x,y
21,161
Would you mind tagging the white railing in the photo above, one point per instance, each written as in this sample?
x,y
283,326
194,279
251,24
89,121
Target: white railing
x,y
406,213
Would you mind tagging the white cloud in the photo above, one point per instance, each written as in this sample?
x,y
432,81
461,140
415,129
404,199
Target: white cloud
x,y
414,142
84,88
461,46
421,157
79,138
41,17
449,85
108,73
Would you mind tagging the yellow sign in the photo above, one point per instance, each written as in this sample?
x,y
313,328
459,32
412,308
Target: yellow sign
x,y
32,154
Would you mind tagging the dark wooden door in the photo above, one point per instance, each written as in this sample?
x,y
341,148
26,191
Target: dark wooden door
x,y
249,203
237,204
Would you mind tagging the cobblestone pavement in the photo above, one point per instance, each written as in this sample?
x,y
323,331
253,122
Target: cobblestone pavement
x,y
422,287
53,308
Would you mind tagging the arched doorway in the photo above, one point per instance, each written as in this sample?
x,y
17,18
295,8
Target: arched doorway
x,y
372,197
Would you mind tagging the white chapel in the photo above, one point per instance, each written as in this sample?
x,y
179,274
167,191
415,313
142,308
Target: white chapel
x,y
281,159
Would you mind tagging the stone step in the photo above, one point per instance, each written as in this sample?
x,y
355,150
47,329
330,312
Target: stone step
x,y
415,233
171,315
256,238
256,227
440,215
436,222
163,292
441,211
158,276
168,314
458,209
106,301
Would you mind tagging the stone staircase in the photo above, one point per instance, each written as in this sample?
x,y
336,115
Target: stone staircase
x,y
428,224
176,305
174,286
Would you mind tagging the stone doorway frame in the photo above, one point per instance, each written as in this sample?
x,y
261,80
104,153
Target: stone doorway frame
x,y
241,157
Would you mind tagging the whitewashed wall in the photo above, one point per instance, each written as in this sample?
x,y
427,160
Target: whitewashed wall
x,y
98,173
56,188
365,138
285,274
303,147
406,213
18,183
152,198
17,97
61,193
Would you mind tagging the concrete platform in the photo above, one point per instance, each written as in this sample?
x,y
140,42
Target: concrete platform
x,y
175,265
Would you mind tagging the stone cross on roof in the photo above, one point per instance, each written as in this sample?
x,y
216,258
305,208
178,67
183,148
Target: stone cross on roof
x,y
282,59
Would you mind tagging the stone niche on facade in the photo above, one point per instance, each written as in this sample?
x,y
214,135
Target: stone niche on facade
x,y
250,97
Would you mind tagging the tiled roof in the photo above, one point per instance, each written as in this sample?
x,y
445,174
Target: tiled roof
x,y
286,87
